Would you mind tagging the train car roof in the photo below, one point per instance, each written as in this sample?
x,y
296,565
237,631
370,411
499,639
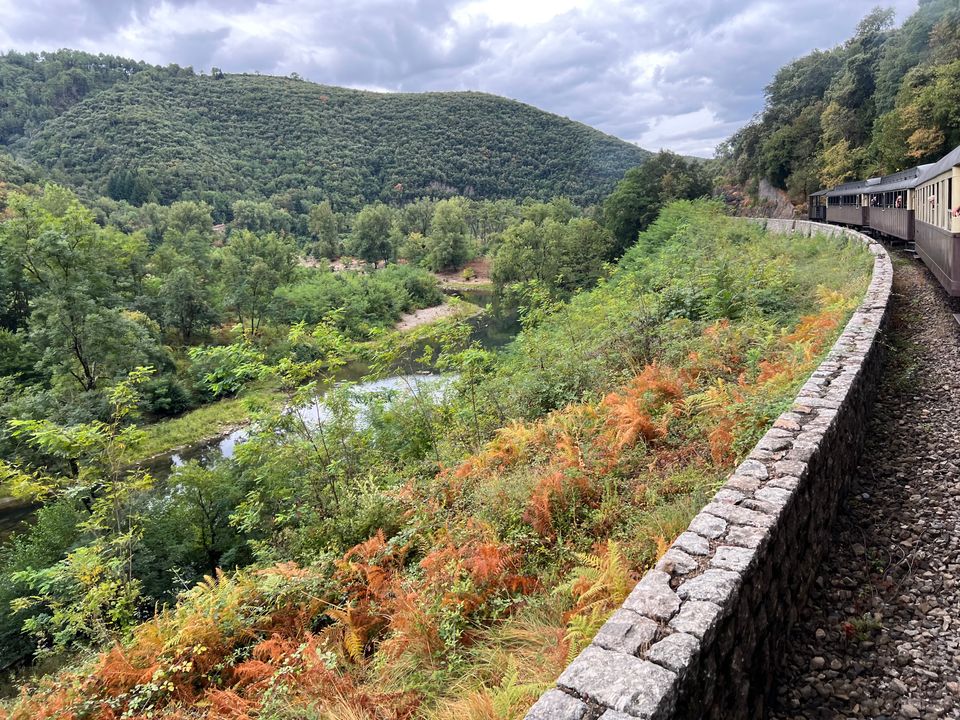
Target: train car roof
x,y
903,180
900,181
848,188
948,161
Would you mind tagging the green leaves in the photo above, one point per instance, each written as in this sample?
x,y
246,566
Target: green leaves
x,y
197,135
881,102
254,266
224,370
85,600
644,190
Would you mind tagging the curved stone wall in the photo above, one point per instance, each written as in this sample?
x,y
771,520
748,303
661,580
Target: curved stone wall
x,y
700,635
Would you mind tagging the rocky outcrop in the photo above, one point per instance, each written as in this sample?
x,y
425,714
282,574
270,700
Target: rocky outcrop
x,y
775,201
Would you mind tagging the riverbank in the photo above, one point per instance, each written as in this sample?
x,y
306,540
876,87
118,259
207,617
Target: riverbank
x,y
210,423
205,424
451,308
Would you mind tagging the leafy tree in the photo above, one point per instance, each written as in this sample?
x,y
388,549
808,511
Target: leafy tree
x,y
638,198
879,103
224,370
260,217
559,256
131,186
189,534
187,303
372,229
90,596
415,217
488,218
560,209
355,303
325,230
88,343
447,246
254,266
73,273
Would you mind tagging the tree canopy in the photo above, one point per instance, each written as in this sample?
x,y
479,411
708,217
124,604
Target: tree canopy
x,y
140,133
884,100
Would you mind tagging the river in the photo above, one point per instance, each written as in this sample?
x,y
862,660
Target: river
x,y
492,330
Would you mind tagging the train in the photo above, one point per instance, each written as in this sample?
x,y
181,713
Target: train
x,y
919,206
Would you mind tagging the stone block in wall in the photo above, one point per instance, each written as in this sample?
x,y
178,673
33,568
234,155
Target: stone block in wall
x,y
709,526
698,618
747,536
677,562
675,652
692,544
716,586
627,632
654,597
733,557
621,682
557,705
739,515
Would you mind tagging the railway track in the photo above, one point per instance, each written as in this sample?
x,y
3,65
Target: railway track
x,y
880,636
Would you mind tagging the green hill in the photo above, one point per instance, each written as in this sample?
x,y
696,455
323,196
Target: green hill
x,y
165,134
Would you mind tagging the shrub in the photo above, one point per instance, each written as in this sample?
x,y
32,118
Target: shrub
x,y
164,396
357,302
223,371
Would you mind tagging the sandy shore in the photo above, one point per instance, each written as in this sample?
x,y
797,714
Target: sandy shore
x,y
425,316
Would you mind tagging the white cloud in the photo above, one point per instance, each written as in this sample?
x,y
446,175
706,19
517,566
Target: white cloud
x,y
516,12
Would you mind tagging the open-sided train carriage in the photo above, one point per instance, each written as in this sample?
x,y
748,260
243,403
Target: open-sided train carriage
x,y
891,205
936,201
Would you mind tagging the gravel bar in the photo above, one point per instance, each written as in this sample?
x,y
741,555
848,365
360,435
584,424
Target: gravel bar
x,y
880,636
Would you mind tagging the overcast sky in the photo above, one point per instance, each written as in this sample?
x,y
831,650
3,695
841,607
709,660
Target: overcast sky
x,y
660,73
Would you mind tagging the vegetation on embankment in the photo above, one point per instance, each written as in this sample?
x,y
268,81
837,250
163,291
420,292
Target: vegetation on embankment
x,y
444,559
883,101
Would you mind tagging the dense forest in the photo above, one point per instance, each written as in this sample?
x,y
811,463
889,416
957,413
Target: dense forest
x,y
885,100
109,126
90,292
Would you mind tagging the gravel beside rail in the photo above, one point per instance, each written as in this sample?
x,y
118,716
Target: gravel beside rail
x,y
880,637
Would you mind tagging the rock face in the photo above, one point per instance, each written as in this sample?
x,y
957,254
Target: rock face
x,y
713,617
880,636
778,204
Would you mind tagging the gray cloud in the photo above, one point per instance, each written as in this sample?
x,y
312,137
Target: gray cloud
x,y
656,72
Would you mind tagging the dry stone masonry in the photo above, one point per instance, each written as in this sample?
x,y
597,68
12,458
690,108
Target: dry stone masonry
x,y
701,632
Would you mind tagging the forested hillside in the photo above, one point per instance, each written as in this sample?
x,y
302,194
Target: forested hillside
x,y
35,87
887,99
168,134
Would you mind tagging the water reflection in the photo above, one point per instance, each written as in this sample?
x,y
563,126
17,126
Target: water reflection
x,y
316,413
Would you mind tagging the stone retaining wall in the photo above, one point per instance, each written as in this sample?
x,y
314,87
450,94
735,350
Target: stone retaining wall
x,y
700,635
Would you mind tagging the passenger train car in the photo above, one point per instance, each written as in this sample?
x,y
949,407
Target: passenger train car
x,y
919,206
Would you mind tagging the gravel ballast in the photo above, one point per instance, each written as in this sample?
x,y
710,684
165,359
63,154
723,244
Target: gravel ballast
x,y
880,635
